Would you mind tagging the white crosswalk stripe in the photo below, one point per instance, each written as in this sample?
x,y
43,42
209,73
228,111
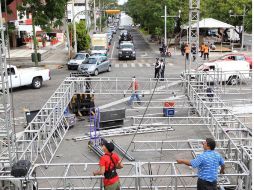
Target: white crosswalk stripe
x,y
136,65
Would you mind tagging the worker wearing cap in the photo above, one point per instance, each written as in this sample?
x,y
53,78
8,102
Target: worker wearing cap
x,y
109,162
187,51
202,48
207,164
206,52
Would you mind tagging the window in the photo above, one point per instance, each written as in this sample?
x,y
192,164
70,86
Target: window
x,y
240,58
10,71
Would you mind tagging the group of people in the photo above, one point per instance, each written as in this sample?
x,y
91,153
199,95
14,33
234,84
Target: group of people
x,y
186,50
159,69
207,164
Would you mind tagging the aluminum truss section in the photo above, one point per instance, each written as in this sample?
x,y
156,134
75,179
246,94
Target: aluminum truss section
x,y
7,136
126,131
43,135
170,121
135,175
223,123
194,11
116,86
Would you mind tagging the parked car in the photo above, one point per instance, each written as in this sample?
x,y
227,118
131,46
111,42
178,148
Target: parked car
x,y
236,57
232,71
95,64
33,76
77,60
126,51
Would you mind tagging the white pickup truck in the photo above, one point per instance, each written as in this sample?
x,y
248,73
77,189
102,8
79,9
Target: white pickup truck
x,y
27,76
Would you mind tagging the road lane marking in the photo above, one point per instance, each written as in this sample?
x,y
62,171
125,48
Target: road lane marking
x,y
148,65
117,65
112,53
140,65
132,65
125,65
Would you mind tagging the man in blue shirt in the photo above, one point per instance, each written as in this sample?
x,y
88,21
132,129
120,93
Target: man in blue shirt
x,y
207,164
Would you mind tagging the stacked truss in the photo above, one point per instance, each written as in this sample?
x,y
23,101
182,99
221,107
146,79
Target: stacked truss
x,y
7,137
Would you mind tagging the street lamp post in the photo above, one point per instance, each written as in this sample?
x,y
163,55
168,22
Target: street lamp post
x,y
243,15
74,28
165,20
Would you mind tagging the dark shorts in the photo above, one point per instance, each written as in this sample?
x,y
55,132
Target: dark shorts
x,y
115,186
206,185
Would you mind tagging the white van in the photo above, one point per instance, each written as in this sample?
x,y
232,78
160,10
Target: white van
x,y
226,71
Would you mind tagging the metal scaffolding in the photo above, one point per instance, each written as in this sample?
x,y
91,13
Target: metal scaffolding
x,y
134,175
7,136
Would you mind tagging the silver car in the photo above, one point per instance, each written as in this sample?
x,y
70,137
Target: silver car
x,y
95,64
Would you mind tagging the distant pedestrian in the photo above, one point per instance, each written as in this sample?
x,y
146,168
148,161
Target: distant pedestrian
x,y
182,48
206,52
202,48
210,93
109,162
134,86
157,68
187,51
162,69
193,51
207,164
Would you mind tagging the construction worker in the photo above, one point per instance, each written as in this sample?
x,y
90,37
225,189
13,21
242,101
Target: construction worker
x,y
135,94
187,51
206,52
109,162
193,51
202,48
207,164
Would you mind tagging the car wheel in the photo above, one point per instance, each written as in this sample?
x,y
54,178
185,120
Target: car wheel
x,y
134,58
109,68
37,83
69,68
96,72
233,80
119,59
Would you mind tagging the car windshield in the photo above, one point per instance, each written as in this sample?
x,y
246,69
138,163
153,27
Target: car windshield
x,y
80,57
91,61
98,48
126,46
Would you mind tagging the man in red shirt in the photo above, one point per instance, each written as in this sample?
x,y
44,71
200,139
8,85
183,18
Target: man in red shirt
x,y
134,86
109,162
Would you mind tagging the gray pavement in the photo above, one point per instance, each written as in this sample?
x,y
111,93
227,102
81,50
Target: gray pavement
x,y
71,151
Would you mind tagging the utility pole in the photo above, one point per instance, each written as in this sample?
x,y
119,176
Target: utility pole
x,y
165,29
74,27
100,13
86,5
94,15
67,32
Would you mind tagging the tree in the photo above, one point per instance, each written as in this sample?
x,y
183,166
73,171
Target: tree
x,y
148,13
45,13
83,38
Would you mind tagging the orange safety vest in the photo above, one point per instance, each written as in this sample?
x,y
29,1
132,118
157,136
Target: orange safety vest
x,y
187,49
203,47
206,49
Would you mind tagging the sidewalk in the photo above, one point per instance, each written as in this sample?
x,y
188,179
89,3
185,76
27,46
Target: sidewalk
x,y
175,52
51,55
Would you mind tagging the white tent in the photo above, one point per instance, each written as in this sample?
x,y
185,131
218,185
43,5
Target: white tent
x,y
210,23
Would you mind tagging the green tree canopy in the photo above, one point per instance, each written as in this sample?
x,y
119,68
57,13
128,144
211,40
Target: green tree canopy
x,y
148,12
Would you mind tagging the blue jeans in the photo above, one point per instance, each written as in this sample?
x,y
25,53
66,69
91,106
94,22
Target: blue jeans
x,y
134,94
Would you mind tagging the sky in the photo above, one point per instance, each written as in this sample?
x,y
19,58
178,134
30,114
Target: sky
x,y
120,2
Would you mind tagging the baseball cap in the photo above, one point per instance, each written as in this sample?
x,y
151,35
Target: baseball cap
x,y
109,145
